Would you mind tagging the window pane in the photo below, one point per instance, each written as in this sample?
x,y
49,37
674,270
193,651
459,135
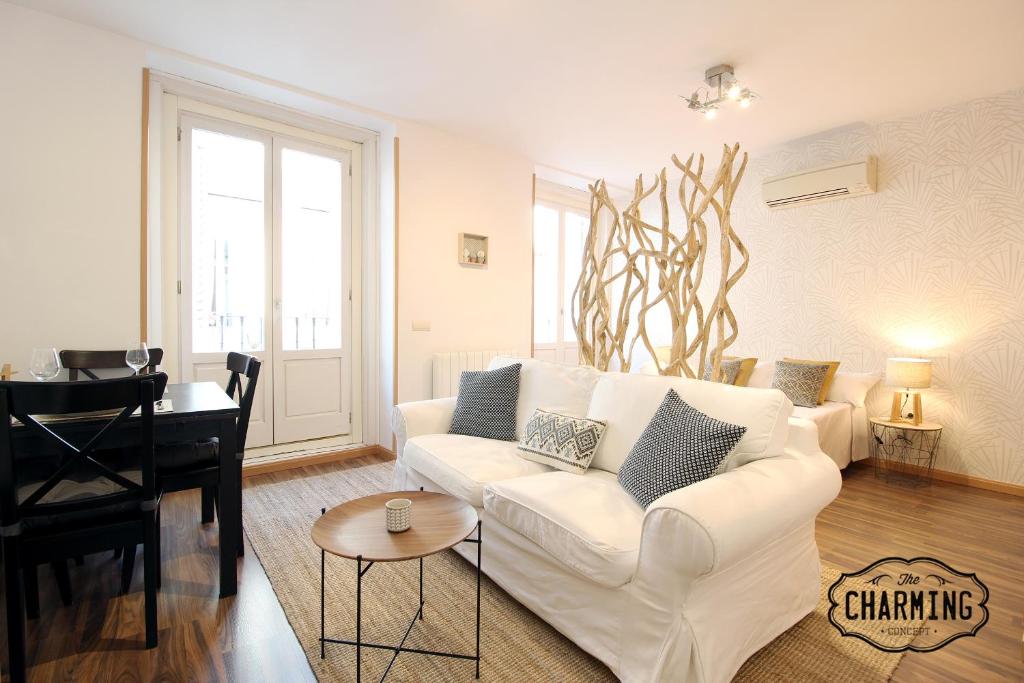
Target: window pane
x,y
545,275
576,228
311,252
228,279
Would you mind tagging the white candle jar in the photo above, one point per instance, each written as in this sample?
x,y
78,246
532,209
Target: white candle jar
x,y
399,514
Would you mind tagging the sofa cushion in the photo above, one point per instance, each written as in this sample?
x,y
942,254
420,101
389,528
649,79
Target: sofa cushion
x,y
628,402
802,383
679,447
463,465
564,442
586,522
486,404
555,387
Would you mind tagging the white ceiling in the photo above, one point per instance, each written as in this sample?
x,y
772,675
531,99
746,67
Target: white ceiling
x,y
592,86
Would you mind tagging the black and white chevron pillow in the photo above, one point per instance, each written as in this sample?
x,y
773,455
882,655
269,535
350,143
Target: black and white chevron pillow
x,y
486,405
680,446
564,442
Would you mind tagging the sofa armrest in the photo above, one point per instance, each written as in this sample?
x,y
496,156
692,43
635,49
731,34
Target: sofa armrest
x,y
421,417
719,521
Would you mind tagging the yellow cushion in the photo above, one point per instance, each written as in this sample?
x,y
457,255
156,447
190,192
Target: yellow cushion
x,y
833,366
746,369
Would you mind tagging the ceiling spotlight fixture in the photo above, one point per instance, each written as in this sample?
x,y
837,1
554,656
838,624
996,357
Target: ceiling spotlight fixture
x,y
722,87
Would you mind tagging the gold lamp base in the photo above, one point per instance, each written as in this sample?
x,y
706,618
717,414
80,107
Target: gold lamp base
x,y
896,414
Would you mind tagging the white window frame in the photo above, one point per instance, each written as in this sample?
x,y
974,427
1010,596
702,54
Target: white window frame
x,y
166,93
561,199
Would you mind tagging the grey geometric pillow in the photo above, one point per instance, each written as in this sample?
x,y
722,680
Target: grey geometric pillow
x,y
564,442
801,383
730,368
486,404
680,446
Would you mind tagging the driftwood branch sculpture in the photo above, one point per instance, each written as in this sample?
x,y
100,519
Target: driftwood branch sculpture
x,y
633,269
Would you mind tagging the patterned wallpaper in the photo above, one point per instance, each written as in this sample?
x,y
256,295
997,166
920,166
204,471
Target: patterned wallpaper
x,y
931,265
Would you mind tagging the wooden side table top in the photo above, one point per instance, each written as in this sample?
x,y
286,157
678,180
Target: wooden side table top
x,y
923,427
358,527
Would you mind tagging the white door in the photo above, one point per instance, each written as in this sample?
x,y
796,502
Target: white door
x,y
559,235
312,291
267,267
226,264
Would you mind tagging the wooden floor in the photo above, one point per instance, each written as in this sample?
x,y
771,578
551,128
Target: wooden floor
x,y
247,637
970,529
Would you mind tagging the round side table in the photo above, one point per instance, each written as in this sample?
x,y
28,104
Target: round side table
x,y
357,530
904,451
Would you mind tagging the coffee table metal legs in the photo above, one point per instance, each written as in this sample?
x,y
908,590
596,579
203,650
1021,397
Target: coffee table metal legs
x,y
361,569
479,557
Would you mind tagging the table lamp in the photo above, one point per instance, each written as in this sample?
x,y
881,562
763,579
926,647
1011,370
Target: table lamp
x,y
908,373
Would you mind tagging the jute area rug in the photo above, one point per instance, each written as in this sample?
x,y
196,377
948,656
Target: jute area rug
x,y
515,644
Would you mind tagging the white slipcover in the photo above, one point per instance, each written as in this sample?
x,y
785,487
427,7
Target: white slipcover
x,y
723,566
556,387
463,465
589,523
628,402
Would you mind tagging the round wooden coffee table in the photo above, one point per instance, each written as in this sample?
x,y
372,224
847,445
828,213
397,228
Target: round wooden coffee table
x,y
357,530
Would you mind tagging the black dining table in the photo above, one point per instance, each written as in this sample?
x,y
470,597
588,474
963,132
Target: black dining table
x,y
199,410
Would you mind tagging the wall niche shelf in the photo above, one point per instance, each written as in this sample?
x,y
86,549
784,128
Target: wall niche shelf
x,y
473,250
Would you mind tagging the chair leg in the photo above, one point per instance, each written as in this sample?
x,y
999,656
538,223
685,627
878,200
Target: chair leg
x,y
150,568
159,562
209,495
61,574
31,578
15,610
118,552
241,532
127,569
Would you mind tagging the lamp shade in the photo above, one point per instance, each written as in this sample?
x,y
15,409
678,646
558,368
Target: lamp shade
x,y
911,373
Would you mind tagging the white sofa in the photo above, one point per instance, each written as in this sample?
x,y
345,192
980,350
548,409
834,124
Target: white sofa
x,y
686,590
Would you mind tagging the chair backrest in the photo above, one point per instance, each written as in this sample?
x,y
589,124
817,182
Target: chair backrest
x,y
86,361
239,365
23,491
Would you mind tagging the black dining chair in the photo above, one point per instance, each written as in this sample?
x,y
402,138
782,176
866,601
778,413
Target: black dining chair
x,y
85,362
195,464
60,500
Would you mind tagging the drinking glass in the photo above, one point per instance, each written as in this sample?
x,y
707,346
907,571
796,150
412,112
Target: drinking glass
x,y
137,357
45,363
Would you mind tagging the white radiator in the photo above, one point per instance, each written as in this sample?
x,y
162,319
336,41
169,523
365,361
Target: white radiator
x,y
448,368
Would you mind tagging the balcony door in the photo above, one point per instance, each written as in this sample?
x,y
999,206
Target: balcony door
x,y
267,268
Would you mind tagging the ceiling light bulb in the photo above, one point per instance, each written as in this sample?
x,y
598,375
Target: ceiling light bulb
x,y
745,101
734,91
710,113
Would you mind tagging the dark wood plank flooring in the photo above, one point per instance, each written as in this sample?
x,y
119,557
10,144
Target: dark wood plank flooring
x,y
247,637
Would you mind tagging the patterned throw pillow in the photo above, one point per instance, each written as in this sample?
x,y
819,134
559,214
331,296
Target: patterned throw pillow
x,y
833,367
799,381
730,369
564,442
680,446
486,404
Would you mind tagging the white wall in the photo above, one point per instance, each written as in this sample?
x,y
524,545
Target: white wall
x,y
932,265
448,186
69,186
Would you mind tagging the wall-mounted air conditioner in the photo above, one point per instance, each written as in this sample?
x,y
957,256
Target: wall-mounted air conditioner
x,y
850,179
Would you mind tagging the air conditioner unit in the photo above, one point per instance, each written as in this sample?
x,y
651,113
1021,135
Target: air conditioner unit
x,y
850,179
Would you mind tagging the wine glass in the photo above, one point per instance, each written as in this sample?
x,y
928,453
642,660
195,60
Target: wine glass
x,y
137,357
45,363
